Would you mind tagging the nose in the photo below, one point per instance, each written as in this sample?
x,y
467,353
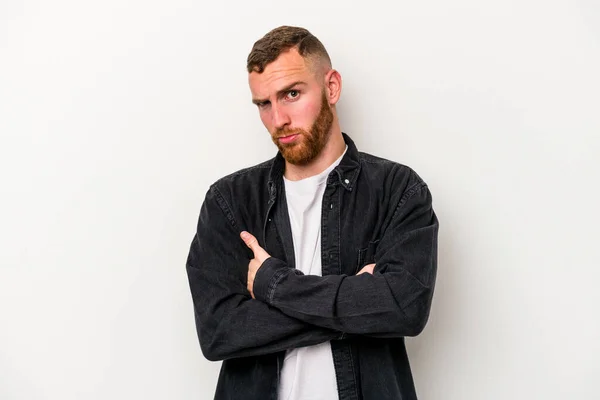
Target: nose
x,y
280,117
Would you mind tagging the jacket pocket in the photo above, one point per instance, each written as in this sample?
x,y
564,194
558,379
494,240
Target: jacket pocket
x,y
367,255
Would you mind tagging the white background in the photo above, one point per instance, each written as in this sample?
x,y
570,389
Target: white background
x,y
115,116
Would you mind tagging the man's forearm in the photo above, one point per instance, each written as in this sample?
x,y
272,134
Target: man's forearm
x,y
239,326
361,304
394,301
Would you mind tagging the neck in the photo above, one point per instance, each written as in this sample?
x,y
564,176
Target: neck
x,y
332,151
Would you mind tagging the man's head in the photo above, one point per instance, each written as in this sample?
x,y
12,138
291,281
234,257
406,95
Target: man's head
x,y
296,90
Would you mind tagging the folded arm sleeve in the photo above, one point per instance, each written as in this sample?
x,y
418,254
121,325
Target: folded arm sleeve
x,y
229,322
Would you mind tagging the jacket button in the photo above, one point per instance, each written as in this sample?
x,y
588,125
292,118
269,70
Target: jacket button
x,y
347,181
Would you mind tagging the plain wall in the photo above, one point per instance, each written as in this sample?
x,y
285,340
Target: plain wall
x,y
116,116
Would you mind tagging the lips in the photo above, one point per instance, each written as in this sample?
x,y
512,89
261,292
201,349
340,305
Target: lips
x,y
289,138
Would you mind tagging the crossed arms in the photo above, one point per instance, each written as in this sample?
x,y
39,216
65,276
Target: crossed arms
x,y
259,306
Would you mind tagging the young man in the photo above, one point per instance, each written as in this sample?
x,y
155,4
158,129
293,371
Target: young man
x,y
307,271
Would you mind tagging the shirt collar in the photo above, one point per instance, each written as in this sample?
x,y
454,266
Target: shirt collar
x,y
346,171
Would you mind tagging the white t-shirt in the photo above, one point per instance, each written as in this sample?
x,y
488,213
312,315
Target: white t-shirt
x,y
308,372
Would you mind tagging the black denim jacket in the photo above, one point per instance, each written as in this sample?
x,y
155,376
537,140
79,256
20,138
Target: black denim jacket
x,y
373,211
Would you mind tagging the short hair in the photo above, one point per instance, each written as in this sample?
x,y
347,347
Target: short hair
x,y
281,39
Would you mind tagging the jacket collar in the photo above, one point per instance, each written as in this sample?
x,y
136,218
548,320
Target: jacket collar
x,y
346,171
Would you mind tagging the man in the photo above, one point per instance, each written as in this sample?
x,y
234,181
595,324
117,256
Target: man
x,y
307,271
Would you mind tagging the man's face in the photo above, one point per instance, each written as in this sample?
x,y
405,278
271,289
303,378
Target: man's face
x,y
293,106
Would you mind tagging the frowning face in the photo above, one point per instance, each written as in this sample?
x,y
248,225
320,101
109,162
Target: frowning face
x,y
293,106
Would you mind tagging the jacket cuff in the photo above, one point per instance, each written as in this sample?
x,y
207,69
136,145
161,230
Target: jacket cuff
x,y
267,277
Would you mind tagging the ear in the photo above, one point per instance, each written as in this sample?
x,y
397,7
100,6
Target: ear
x,y
333,86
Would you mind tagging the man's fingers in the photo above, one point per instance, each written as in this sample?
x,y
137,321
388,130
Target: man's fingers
x,y
260,254
367,269
251,242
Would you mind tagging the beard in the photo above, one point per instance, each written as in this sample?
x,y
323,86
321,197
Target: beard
x,y
310,143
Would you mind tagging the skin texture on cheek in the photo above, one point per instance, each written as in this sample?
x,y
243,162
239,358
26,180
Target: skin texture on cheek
x,y
303,110
311,142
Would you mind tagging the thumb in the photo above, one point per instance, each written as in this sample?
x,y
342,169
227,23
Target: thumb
x,y
368,269
251,242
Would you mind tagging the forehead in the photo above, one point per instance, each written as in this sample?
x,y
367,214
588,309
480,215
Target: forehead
x,y
289,67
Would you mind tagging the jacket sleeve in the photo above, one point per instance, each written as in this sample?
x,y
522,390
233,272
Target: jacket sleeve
x,y
229,322
394,301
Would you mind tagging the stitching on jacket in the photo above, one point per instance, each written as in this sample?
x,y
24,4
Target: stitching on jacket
x,y
225,207
408,194
274,281
339,233
353,372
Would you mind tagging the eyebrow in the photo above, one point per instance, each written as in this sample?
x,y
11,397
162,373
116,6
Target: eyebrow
x,y
279,92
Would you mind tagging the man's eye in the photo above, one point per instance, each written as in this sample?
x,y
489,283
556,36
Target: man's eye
x,y
292,94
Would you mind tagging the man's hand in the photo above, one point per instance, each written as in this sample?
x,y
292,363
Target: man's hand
x,y
260,255
367,269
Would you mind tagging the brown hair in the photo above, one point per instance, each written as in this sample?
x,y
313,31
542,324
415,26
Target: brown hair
x,y
269,47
